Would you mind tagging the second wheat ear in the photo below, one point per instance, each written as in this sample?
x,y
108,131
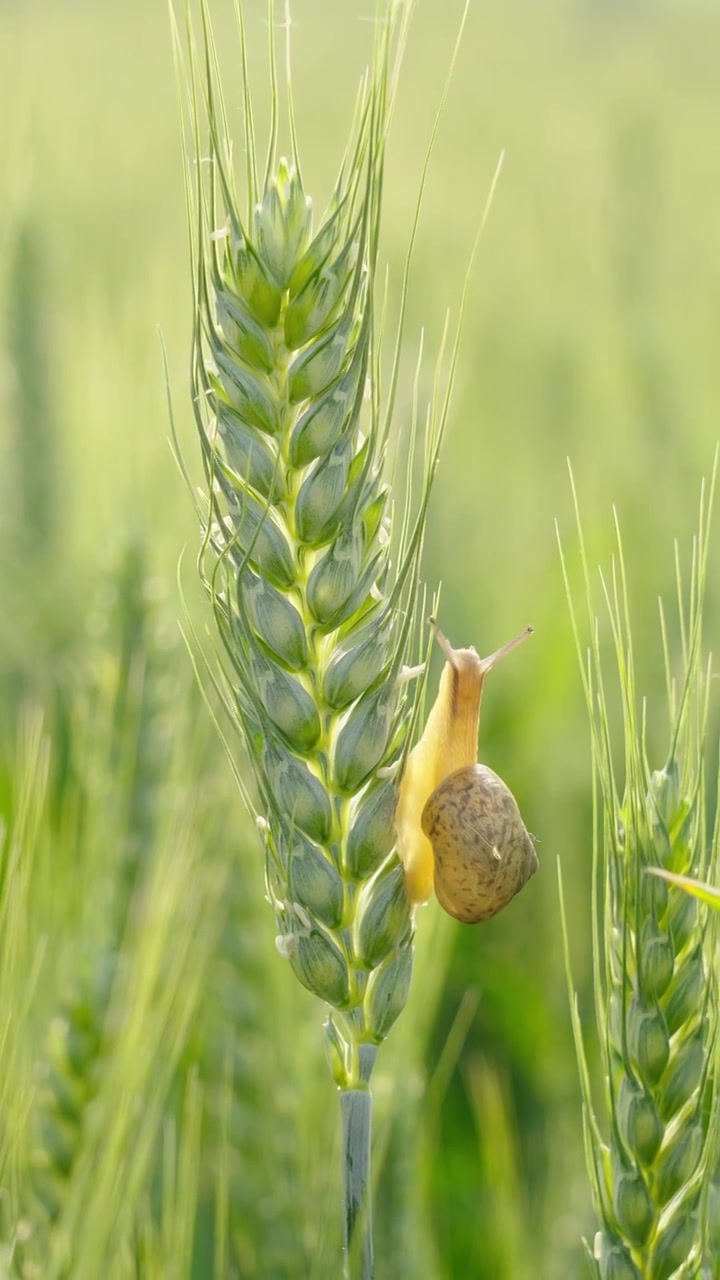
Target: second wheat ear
x,y
458,825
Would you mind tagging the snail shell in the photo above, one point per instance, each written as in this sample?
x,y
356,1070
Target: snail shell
x,y
483,853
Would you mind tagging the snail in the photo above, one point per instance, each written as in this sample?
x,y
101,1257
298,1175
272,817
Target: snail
x,y
458,825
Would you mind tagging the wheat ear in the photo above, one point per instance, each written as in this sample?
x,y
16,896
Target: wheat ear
x,y
655,981
319,626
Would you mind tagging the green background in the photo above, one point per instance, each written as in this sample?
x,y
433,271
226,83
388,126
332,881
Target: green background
x,y
591,335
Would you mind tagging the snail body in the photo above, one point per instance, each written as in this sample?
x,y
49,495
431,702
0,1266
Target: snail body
x,y
458,825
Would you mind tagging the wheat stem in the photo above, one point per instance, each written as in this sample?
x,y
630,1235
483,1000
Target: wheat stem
x,y
356,1116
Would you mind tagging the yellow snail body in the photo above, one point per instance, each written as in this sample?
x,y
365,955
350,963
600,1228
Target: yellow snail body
x,y
458,826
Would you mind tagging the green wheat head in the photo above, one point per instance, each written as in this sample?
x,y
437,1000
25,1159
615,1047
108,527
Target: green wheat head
x,y
650,1164
126,698
101,966
315,594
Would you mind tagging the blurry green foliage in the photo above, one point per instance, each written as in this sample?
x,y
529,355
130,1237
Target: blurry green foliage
x,y
591,333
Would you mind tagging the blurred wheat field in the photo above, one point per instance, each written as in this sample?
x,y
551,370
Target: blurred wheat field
x,y
591,334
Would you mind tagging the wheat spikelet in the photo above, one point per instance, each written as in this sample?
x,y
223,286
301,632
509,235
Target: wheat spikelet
x,y
655,983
